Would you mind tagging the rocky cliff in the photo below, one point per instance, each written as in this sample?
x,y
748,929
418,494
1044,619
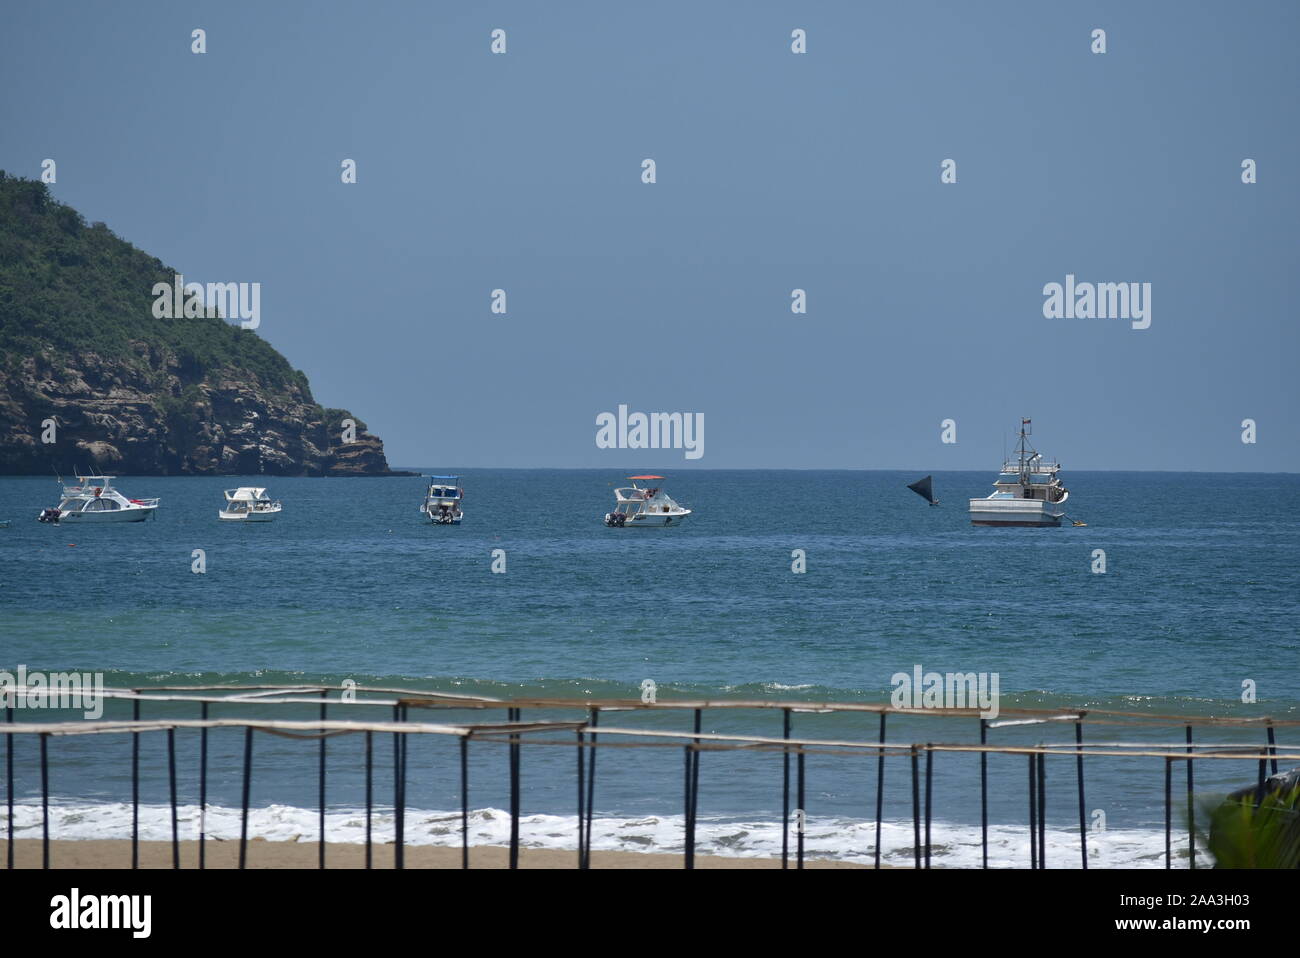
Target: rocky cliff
x,y
89,377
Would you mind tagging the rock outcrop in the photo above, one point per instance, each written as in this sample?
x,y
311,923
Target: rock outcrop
x,y
116,417
90,378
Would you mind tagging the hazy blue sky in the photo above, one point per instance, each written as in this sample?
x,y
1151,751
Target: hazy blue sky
x,y
775,171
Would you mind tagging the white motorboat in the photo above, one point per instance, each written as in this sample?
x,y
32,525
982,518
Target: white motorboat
x,y
249,504
647,506
95,500
1028,491
442,501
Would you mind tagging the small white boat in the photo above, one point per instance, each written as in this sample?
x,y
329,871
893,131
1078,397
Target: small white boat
x,y
249,504
647,506
94,500
442,501
1028,491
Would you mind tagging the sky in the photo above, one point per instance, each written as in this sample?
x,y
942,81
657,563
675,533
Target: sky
x,y
775,171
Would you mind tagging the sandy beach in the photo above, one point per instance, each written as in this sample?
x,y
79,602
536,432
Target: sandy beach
x,y
116,853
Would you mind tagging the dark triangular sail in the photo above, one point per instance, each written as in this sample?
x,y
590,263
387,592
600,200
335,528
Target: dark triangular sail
x,y
924,488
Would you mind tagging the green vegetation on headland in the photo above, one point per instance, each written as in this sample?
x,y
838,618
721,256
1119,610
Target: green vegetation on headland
x,y
131,392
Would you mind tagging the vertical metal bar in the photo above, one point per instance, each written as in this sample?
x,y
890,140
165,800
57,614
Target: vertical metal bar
x,y
1042,810
689,861
880,786
397,764
248,775
916,812
406,764
694,795
321,783
1191,811
464,800
401,828
514,791
594,720
203,788
1263,774
370,792
929,798
9,783
135,786
399,857
582,797
984,793
785,796
802,809
1272,747
45,803
1033,814
1083,807
686,803
171,778
1169,814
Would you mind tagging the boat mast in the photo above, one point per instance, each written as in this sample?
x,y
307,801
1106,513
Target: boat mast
x,y
1020,449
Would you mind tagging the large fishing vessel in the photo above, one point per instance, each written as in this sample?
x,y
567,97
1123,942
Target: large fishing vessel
x,y
1028,491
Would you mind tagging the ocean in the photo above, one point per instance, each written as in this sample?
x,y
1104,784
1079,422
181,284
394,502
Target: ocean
x,y
1200,595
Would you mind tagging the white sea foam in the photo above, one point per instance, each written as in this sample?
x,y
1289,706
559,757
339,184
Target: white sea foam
x,y
952,845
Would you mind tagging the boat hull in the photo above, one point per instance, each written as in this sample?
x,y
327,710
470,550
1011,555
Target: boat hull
x,y
117,515
247,516
1024,523
1024,513
652,521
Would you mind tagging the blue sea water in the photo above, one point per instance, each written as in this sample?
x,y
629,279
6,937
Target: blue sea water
x,y
1200,595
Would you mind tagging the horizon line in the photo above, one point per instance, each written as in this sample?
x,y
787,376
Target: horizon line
x,y
693,468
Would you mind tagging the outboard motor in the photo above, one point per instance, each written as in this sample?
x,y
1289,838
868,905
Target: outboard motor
x,y
49,515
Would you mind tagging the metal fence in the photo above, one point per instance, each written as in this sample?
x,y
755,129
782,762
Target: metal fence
x,y
587,736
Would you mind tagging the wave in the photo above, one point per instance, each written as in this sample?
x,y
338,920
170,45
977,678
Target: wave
x,y
851,840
